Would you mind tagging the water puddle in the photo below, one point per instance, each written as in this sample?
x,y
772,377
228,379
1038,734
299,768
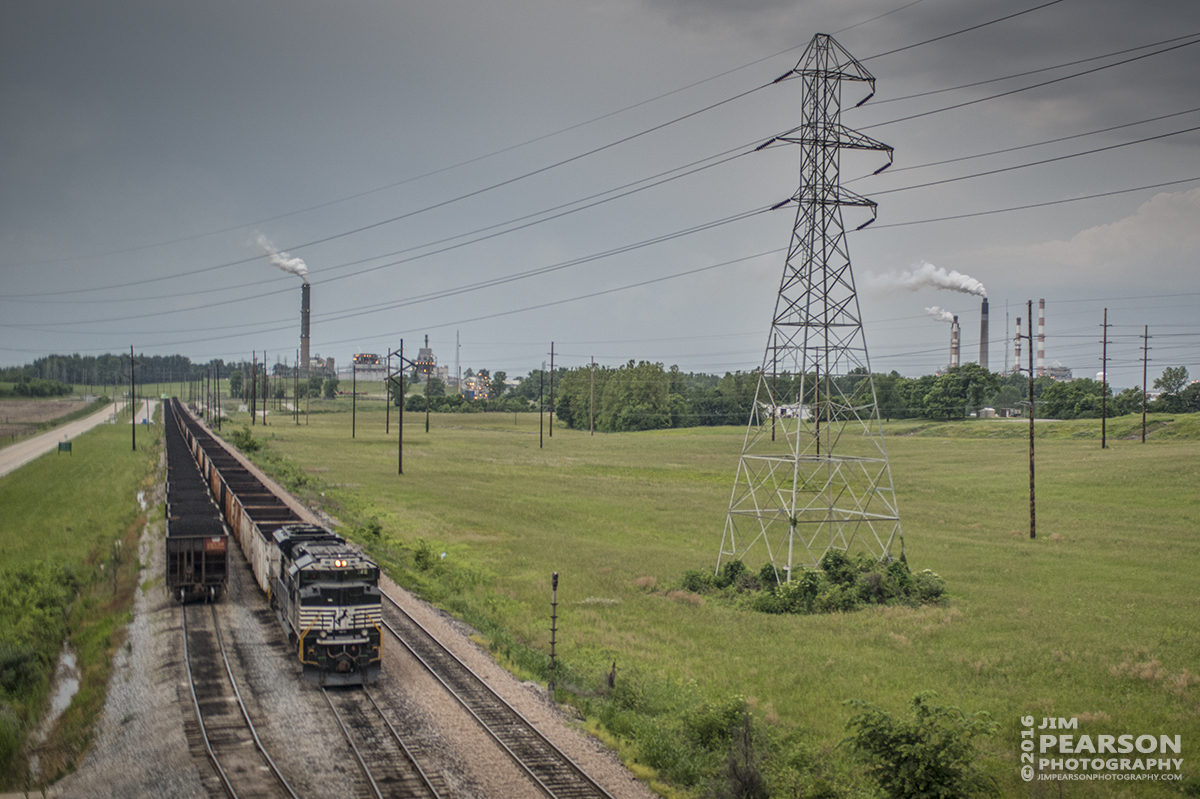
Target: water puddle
x,y
62,691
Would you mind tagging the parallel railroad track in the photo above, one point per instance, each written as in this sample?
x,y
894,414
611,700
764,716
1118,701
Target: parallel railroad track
x,y
242,763
390,768
551,770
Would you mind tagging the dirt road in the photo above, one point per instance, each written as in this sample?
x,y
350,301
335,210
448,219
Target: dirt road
x,y
17,455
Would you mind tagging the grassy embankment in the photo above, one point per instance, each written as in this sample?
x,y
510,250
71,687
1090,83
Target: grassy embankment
x,y
1094,619
67,521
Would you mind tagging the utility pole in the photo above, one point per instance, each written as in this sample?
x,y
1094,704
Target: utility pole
x,y
1145,359
253,387
552,389
1032,496
400,388
266,388
133,364
592,401
541,407
353,394
1104,384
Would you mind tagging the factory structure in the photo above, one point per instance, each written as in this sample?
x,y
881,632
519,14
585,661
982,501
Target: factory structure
x,y
1055,370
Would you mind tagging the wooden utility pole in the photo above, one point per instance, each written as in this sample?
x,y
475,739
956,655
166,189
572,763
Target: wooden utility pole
x,y
1104,384
253,387
552,389
400,414
592,402
1145,352
353,395
1032,493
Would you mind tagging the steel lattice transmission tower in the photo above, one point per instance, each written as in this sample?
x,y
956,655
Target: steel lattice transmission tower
x,y
814,473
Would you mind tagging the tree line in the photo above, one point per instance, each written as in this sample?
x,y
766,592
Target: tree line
x,y
641,395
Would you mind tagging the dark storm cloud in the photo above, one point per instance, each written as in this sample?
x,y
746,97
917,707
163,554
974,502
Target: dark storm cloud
x,y
130,124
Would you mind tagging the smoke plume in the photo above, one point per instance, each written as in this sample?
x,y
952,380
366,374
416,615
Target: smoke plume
x,y
926,275
940,314
293,266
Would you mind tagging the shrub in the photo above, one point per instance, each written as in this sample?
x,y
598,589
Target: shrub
x,y
928,756
839,568
729,573
928,586
697,581
712,723
768,577
244,440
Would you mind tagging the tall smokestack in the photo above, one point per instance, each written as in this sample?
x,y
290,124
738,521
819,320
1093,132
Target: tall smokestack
x,y
983,334
954,336
1017,347
1041,352
305,298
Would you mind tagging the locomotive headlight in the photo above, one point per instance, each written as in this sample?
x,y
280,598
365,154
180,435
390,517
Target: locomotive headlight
x,y
322,634
363,633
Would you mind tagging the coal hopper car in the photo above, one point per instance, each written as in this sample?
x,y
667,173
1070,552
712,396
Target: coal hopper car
x,y
197,554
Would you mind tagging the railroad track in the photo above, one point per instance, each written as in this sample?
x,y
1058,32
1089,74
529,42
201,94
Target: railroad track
x,y
390,768
552,771
242,763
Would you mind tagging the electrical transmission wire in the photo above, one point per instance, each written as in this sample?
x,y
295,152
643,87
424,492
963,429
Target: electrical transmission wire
x,y
497,152
1011,92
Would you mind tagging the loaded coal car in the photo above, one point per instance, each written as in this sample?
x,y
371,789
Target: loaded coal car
x,y
197,555
327,595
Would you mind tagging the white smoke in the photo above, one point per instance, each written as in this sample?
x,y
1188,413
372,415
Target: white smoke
x,y
926,275
940,314
293,266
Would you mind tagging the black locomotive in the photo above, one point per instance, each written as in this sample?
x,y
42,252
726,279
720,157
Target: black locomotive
x,y
327,595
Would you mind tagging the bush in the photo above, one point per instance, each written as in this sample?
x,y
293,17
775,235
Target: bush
x,y
697,581
244,440
839,568
928,756
928,586
730,573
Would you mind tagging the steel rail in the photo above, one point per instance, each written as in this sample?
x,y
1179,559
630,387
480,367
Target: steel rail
x,y
241,707
513,731
362,762
403,746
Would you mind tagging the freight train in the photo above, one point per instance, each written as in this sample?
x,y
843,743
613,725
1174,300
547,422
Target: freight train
x,y
325,592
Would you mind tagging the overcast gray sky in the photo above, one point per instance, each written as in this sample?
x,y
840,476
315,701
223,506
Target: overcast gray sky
x,y
146,146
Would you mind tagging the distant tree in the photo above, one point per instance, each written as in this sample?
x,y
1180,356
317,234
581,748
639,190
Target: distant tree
x,y
314,385
1128,401
497,387
1077,399
235,384
960,390
1189,398
331,387
436,387
1173,379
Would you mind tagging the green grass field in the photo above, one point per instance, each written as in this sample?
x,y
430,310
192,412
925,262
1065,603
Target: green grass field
x,y
1096,618
80,512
